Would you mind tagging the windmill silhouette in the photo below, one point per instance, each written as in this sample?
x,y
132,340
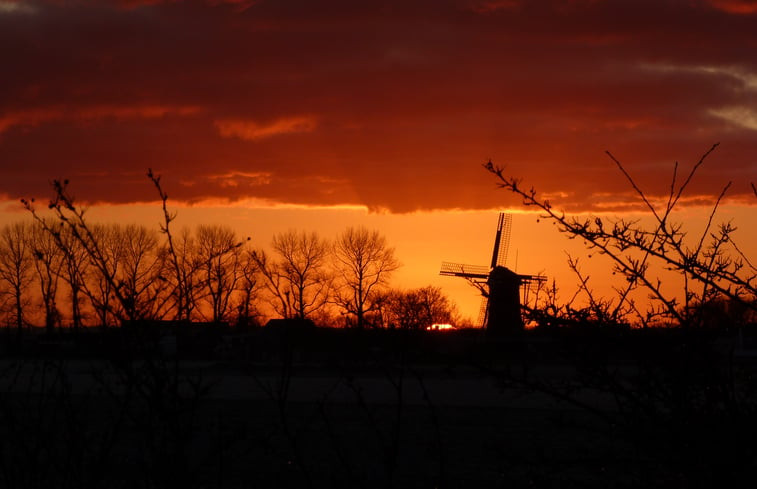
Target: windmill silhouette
x,y
499,286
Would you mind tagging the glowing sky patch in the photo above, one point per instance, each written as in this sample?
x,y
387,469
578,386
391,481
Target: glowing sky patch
x,y
747,7
251,130
745,117
17,7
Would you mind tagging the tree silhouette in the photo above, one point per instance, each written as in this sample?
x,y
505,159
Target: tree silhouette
x,y
49,261
364,263
248,287
186,260
178,253
142,262
416,308
298,280
75,273
15,268
219,257
97,286
70,223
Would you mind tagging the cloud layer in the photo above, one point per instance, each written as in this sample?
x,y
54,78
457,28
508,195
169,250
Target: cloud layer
x,y
393,105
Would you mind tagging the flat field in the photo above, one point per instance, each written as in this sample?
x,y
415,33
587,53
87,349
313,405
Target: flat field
x,y
389,412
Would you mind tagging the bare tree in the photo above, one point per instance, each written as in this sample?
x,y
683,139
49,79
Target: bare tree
x,y
184,281
183,257
248,287
99,287
417,308
48,263
179,256
710,265
70,218
298,280
218,256
437,307
142,263
364,264
15,268
74,273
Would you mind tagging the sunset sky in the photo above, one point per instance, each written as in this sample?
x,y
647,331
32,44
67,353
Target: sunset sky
x,y
277,114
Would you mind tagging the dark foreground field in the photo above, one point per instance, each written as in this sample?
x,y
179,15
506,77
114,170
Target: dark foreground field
x,y
381,409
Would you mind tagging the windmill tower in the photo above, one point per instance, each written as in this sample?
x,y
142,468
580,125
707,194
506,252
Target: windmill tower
x,y
500,286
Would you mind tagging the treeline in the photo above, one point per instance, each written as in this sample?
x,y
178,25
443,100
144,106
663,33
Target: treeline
x,y
54,274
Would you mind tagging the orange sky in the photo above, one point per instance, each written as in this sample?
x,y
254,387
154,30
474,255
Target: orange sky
x,y
387,106
424,239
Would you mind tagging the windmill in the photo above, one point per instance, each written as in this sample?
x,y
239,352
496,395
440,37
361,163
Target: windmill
x,y
500,286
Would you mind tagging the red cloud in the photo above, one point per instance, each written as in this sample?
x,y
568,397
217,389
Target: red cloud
x,y
35,117
735,6
251,130
390,105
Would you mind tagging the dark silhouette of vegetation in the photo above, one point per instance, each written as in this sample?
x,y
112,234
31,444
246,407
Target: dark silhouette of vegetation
x,y
48,263
710,266
75,270
299,281
217,247
109,274
364,263
15,271
416,309
219,255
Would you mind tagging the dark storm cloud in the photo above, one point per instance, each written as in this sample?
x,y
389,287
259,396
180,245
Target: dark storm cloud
x,y
394,105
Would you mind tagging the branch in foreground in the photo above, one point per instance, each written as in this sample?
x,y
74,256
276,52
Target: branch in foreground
x,y
714,267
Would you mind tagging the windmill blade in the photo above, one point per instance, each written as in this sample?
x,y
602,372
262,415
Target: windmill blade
x,y
526,292
463,270
504,244
528,279
483,312
502,239
529,283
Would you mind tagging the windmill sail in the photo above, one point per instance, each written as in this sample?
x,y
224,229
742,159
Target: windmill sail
x,y
483,312
463,270
502,240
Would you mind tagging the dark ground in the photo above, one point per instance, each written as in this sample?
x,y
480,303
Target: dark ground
x,y
386,409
